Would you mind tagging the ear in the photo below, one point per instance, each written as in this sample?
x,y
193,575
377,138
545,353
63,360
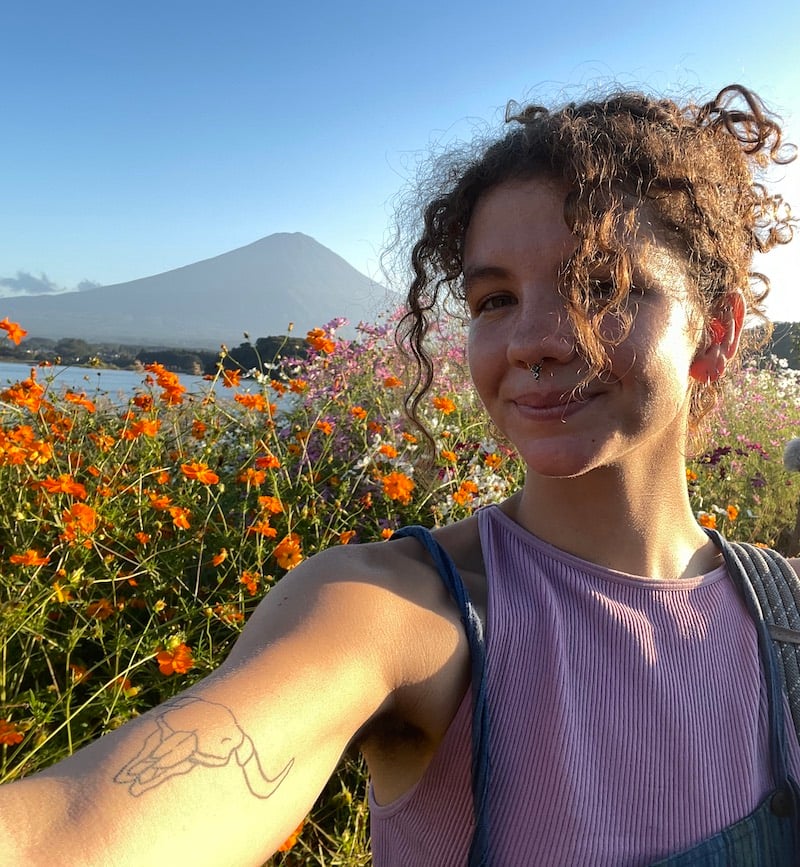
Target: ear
x,y
720,340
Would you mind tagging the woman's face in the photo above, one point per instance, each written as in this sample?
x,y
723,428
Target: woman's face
x,y
516,244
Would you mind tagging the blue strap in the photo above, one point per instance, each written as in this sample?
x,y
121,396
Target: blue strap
x,y
743,568
479,850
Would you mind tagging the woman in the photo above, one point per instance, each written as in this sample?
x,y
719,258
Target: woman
x,y
603,253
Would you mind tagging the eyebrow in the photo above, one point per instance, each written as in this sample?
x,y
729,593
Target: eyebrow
x,y
475,273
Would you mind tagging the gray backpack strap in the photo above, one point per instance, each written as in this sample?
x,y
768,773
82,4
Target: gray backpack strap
x,y
777,588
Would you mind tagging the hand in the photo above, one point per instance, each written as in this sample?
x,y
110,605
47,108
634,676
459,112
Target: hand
x,y
191,732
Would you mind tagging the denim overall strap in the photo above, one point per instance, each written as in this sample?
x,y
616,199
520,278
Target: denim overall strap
x,y
479,850
770,835
740,569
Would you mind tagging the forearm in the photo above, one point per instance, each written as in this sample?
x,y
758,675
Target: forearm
x,y
192,780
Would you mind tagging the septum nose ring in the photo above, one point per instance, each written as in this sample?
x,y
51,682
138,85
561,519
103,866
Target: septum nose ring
x,y
536,370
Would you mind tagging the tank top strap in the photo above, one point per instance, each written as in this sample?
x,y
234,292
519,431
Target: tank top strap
x,y
479,850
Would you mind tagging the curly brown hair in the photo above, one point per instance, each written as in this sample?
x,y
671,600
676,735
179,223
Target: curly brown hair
x,y
698,170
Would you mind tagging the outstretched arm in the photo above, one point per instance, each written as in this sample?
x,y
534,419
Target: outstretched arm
x,y
224,772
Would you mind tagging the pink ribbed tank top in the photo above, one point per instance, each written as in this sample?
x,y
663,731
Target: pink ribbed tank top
x,y
628,718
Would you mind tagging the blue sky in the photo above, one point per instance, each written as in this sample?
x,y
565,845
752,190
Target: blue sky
x,y
140,137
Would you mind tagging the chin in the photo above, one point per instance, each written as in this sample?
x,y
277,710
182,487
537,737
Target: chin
x,y
565,460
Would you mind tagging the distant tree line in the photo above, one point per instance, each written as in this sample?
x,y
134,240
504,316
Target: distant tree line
x,y
75,351
784,343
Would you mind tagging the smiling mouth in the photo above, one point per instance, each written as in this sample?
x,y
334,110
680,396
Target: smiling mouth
x,y
553,408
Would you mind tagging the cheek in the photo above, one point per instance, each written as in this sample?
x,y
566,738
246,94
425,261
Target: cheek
x,y
476,351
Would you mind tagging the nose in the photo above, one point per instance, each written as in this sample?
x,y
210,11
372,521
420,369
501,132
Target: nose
x,y
541,332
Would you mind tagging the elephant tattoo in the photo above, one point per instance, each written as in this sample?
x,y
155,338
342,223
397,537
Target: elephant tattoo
x,y
191,732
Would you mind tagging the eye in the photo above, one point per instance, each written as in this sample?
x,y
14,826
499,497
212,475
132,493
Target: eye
x,y
490,303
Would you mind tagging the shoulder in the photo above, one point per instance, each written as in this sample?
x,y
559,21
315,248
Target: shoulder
x,y
401,567
382,605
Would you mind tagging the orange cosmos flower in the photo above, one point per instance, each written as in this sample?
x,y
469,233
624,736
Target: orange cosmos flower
x,y
388,450
493,460
199,429
252,401
31,557
180,517
143,401
199,472
251,581
707,520
230,378
252,476
80,400
444,405
691,476
346,537
172,390
447,455
27,394
409,438
732,512
325,426
219,557
228,612
176,661
79,673
287,551
267,462
39,452
102,609
60,427
263,528
358,412
147,427
465,492
103,441
398,486
64,484
10,734
386,533
320,341
13,331
374,427
79,518
392,382
278,387
271,504
292,839
298,386
142,538
159,501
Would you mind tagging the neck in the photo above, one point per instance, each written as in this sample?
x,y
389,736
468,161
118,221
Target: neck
x,y
639,522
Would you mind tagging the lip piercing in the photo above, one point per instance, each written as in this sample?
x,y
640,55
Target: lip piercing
x,y
536,370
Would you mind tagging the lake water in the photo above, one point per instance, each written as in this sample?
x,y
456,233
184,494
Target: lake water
x,y
112,384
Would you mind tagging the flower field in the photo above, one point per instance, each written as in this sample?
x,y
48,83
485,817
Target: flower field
x,y
135,540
